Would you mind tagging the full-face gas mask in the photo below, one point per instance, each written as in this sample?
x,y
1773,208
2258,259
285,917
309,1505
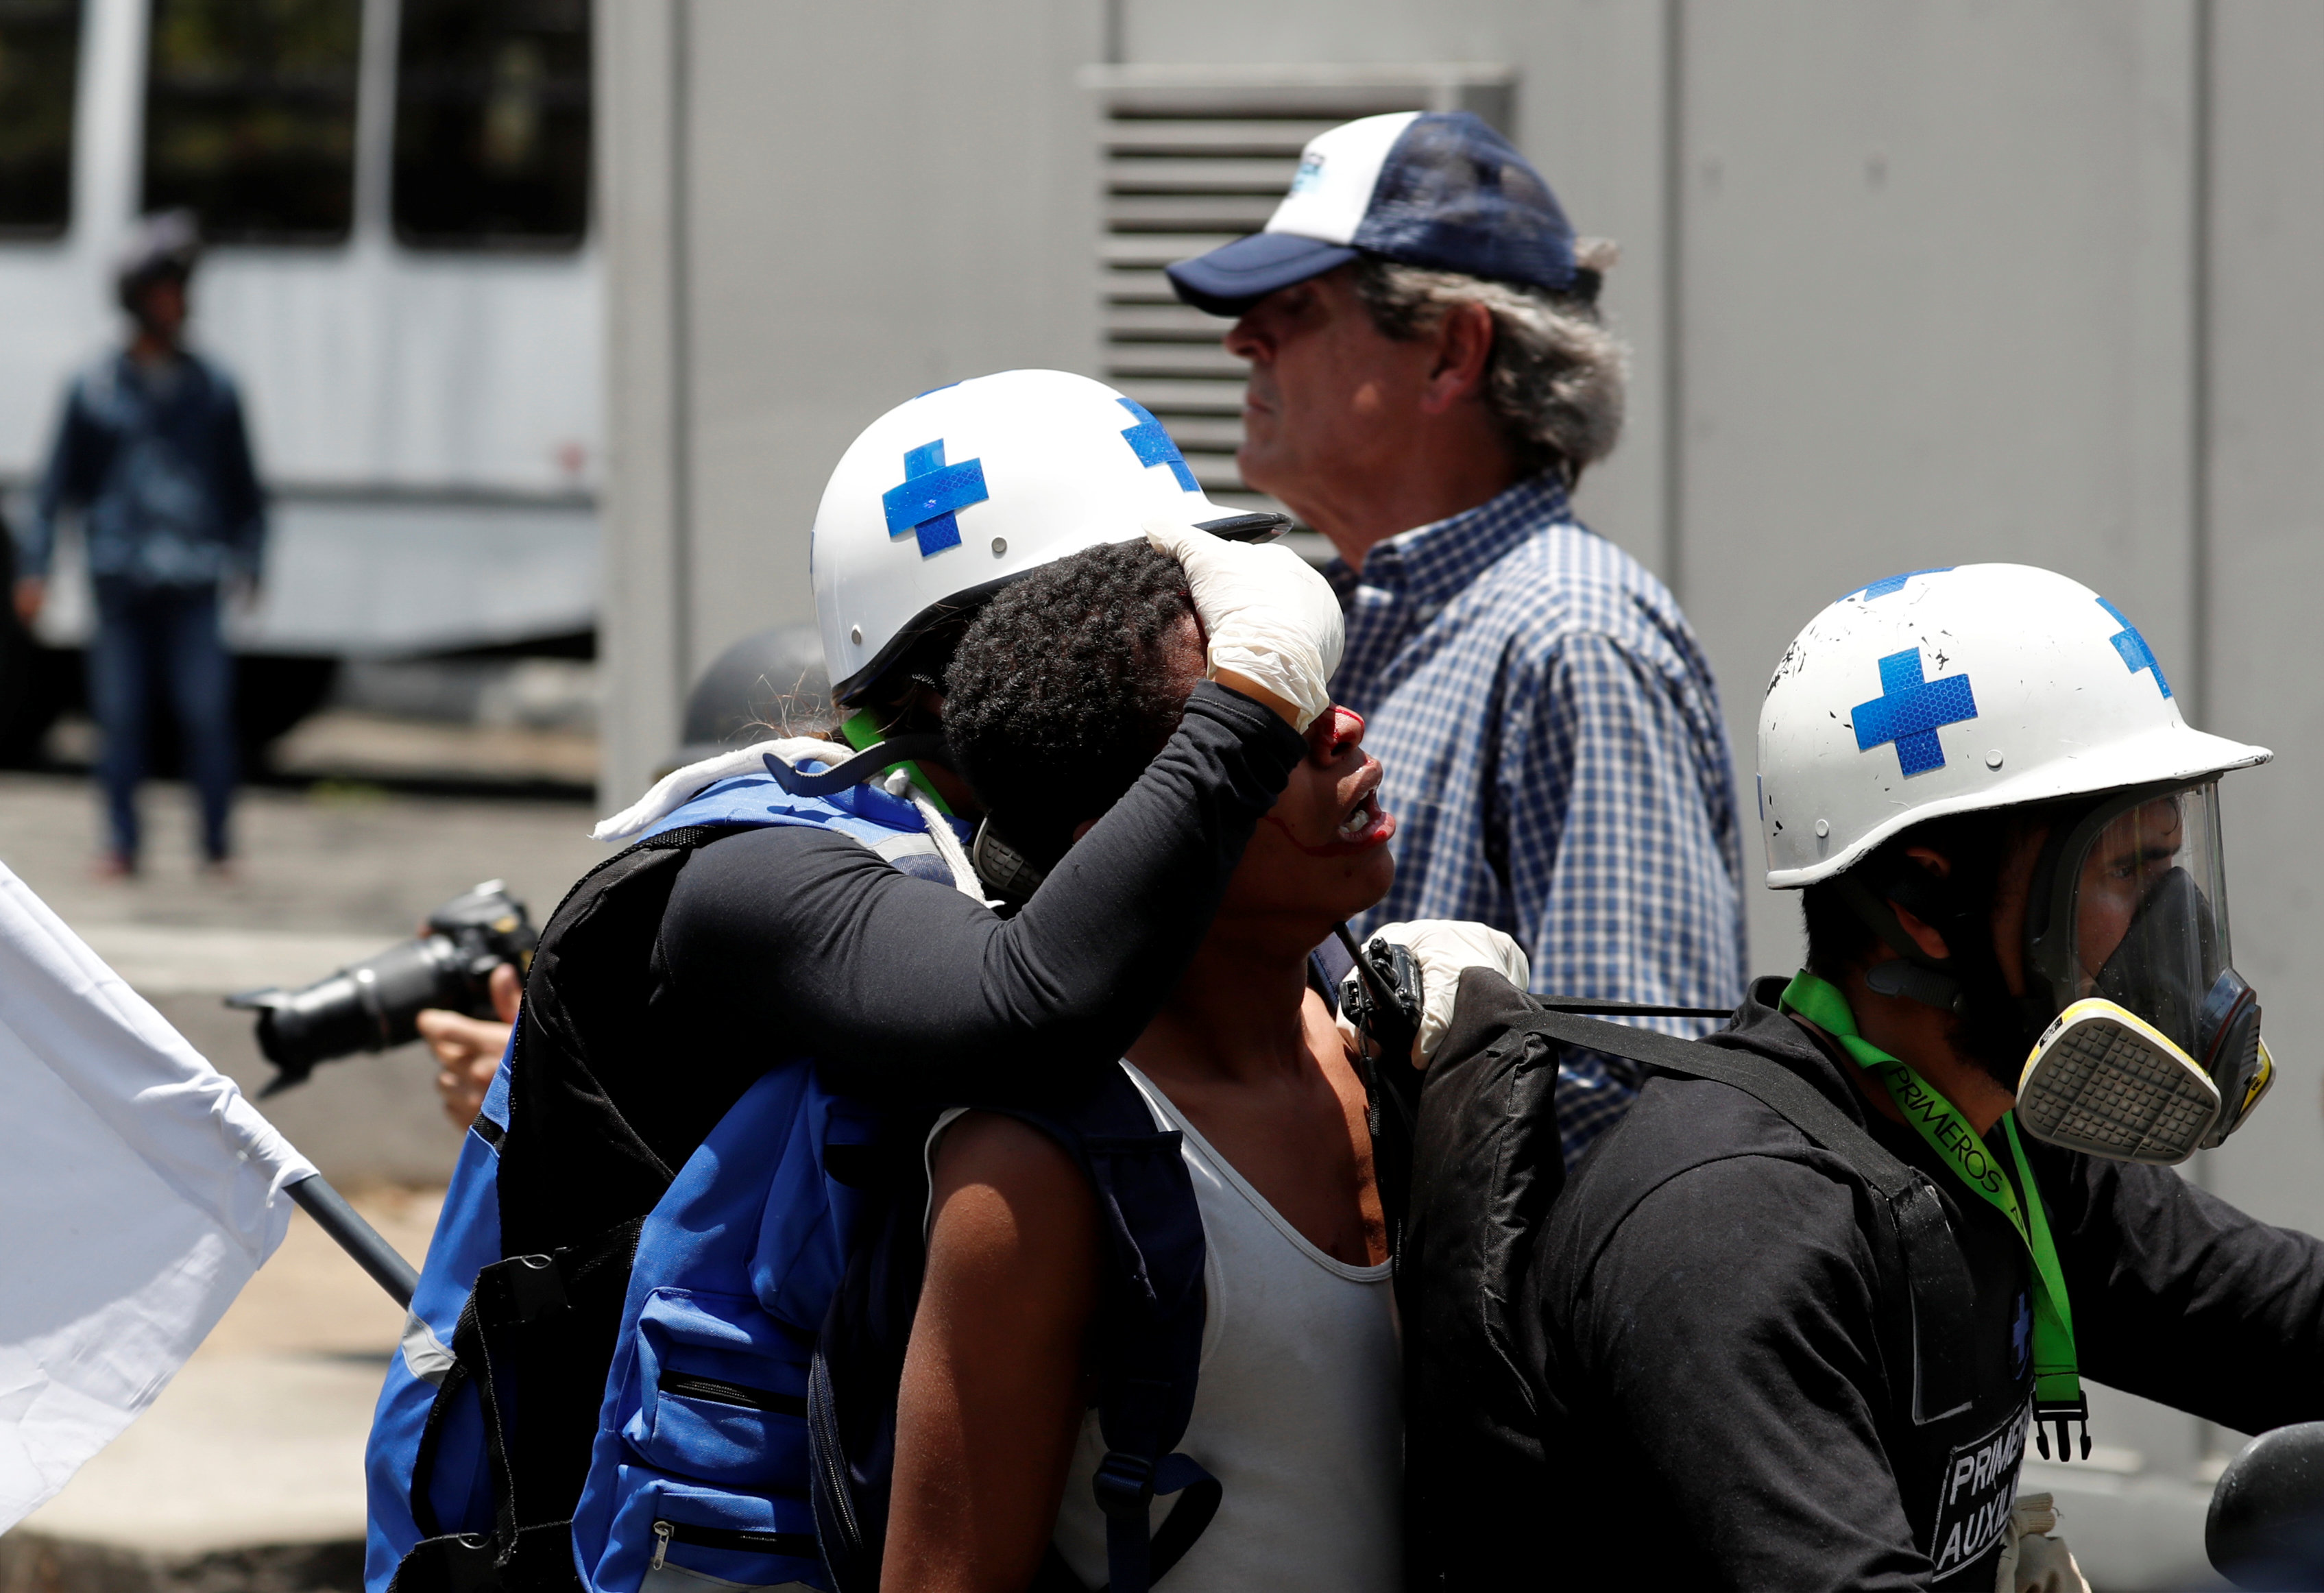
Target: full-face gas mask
x,y
2155,1051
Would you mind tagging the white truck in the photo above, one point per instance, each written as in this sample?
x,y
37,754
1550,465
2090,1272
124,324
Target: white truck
x,y
401,273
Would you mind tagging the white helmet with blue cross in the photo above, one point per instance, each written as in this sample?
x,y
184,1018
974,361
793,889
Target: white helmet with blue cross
x,y
1948,691
944,500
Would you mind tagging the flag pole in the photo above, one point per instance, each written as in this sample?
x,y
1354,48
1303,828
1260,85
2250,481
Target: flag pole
x,y
358,1238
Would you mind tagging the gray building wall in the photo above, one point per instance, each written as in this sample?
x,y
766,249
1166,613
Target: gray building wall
x,y
814,212
1907,284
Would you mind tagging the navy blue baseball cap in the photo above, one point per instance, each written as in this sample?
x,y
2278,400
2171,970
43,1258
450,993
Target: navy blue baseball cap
x,y
1435,189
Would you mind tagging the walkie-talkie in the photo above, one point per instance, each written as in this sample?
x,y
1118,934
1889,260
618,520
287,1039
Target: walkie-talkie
x,y
1385,1005
1384,1008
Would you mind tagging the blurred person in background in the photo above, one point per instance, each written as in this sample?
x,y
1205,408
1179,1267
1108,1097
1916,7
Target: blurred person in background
x,y
154,457
1429,377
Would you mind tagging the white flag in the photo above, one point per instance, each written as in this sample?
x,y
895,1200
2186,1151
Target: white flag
x,y
138,1192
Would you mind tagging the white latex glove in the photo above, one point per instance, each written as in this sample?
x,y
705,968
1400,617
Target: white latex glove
x,y
1271,620
1444,947
2034,1560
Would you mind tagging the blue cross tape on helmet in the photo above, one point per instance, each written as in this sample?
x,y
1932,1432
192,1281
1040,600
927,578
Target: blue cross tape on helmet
x,y
946,498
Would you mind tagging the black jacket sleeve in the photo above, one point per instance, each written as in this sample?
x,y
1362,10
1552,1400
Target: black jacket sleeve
x,y
2181,1298
905,988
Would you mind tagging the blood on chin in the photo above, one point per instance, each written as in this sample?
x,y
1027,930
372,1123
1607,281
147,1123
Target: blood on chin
x,y
1383,829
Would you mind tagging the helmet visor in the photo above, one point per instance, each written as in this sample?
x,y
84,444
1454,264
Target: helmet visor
x,y
2145,919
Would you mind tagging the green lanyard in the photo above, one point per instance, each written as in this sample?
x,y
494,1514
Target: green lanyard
x,y
2057,1378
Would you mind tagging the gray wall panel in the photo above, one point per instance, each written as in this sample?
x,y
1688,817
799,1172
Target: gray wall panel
x,y
1335,31
902,224
645,677
1936,309
2266,526
876,199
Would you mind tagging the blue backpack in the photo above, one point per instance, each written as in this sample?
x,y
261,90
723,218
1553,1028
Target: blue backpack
x,y
482,1434
748,1434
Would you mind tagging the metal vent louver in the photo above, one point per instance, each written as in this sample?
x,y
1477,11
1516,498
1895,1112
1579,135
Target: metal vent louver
x,y
1193,157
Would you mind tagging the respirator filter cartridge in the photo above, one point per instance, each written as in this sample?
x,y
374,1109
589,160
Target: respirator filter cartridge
x,y
2103,1080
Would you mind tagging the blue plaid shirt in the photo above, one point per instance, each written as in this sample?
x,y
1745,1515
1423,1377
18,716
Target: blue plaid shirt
x,y
1556,761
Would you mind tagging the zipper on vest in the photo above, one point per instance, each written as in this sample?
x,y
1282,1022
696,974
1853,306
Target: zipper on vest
x,y
735,1538
718,1391
828,1455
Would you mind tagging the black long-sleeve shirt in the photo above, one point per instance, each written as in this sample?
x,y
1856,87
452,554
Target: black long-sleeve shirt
x,y
1724,1387
778,942
900,987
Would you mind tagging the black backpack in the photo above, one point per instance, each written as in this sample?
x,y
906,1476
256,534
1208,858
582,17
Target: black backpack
x,y
567,1182
1486,1165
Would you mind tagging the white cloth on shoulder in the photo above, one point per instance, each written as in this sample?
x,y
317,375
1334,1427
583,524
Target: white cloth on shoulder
x,y
675,790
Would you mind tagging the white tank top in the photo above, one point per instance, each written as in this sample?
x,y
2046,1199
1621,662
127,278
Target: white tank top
x,y
1296,1413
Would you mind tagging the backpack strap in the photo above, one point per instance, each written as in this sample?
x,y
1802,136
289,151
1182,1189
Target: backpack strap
x,y
511,1296
1936,1278
1145,1342
511,1293
1151,1342
1148,1340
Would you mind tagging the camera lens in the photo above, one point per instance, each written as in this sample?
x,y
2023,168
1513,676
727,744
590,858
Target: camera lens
x,y
368,1006
326,1019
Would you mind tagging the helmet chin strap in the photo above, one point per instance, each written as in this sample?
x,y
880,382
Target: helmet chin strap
x,y
1969,987
1915,975
1915,983
904,749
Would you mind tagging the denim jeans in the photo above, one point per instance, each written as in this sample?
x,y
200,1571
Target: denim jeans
x,y
173,631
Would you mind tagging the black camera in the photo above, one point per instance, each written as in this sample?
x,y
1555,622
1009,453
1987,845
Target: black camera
x,y
374,1004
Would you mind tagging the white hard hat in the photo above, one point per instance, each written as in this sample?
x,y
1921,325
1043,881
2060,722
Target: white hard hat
x,y
1954,690
944,500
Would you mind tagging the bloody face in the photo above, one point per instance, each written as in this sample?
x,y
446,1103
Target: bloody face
x,y
1323,851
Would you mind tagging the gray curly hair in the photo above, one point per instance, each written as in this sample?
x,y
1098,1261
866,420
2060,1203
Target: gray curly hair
x,y
1555,379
